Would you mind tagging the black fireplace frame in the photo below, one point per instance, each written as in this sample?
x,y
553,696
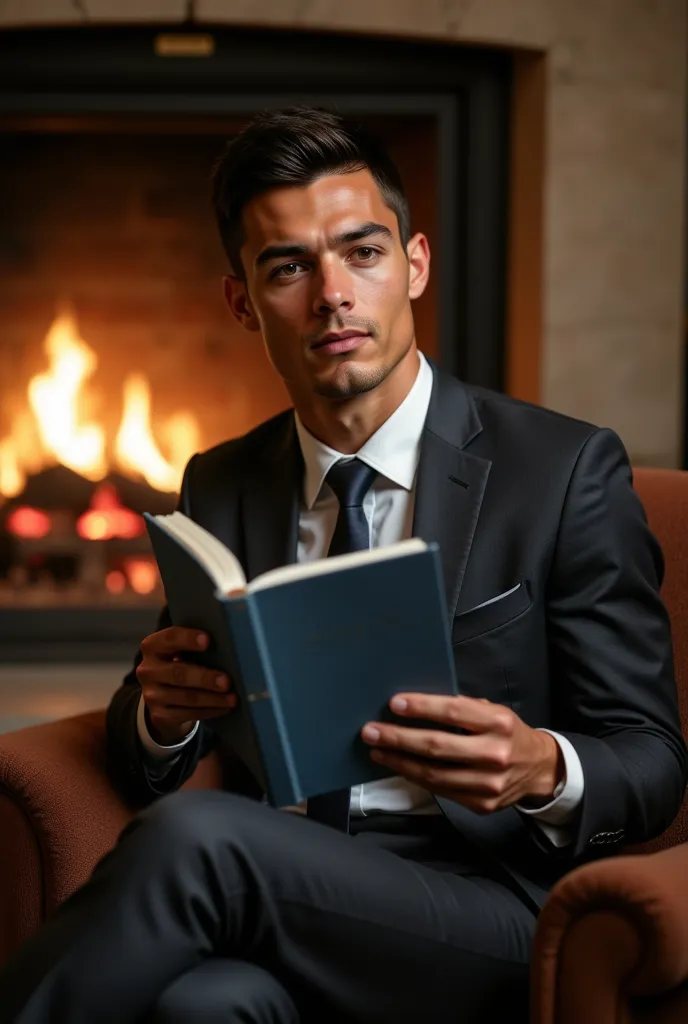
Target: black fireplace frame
x,y
70,73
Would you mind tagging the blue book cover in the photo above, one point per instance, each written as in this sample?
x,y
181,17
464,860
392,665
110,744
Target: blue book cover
x,y
314,650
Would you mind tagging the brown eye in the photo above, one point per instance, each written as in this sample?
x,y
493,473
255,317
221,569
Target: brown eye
x,y
287,269
365,252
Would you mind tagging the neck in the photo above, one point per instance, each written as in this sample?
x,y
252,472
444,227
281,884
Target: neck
x,y
346,425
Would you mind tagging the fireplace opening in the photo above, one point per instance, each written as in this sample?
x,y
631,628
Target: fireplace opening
x,y
118,356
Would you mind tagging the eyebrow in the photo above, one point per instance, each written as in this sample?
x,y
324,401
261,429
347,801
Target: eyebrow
x,y
273,252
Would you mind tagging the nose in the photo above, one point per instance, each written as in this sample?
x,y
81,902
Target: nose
x,y
333,288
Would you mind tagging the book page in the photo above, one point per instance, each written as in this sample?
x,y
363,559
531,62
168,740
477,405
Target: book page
x,y
218,561
303,570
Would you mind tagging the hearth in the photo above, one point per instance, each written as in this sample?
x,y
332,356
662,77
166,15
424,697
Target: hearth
x,y
118,358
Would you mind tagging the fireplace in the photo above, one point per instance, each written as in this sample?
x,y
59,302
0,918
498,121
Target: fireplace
x,y
118,357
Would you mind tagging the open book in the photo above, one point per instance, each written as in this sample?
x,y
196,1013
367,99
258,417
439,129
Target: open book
x,y
314,650
225,569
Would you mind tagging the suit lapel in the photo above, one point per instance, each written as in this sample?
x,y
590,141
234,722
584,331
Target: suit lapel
x,y
451,482
270,503
449,493
449,490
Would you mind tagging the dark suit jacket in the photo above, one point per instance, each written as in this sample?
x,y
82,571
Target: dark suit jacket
x,y
513,494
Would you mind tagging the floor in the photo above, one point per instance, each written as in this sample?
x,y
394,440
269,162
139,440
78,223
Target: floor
x,y
31,694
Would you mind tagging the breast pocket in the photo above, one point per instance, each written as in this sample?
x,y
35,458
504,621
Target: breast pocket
x,y
491,614
488,644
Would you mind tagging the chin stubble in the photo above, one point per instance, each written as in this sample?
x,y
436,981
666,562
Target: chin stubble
x,y
357,381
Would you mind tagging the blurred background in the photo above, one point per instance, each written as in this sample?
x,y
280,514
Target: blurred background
x,y
543,147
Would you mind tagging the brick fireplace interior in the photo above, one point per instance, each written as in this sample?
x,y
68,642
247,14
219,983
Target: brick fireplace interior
x,y
118,356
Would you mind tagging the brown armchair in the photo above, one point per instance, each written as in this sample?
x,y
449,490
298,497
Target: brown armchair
x,y
612,940
611,945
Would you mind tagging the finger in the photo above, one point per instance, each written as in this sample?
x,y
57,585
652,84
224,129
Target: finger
x,y
180,674
474,714
429,775
482,792
479,804
486,790
175,638
204,713
434,744
160,697
177,716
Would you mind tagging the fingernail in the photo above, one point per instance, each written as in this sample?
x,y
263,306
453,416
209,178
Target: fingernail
x,y
220,682
371,733
398,704
377,755
202,640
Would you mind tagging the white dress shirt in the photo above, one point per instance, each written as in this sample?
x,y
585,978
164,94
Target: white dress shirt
x,y
393,451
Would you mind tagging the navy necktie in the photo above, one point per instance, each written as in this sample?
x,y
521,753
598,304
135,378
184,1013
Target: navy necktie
x,y
350,481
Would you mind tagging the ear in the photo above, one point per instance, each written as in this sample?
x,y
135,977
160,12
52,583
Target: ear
x,y
237,298
418,252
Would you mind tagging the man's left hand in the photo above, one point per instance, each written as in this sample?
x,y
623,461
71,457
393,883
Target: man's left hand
x,y
502,761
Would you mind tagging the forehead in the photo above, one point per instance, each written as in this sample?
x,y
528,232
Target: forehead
x,y
330,204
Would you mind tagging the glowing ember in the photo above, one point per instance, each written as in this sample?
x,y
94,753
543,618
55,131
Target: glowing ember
x,y
115,581
142,574
28,523
107,517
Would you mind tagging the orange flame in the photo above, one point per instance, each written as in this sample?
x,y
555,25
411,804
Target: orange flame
x,y
135,445
12,476
55,400
54,426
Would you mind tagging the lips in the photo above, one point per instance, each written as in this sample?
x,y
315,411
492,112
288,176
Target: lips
x,y
334,337
337,344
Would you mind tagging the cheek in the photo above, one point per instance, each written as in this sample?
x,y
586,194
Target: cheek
x,y
281,329
281,320
384,295
394,306
284,306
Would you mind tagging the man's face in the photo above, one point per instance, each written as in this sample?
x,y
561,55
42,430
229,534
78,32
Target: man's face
x,y
328,283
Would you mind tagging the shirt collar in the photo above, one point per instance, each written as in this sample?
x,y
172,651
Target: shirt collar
x,y
393,450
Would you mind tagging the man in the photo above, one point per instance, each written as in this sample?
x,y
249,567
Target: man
x,y
217,907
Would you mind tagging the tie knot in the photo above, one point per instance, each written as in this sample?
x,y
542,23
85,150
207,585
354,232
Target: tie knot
x,y
350,481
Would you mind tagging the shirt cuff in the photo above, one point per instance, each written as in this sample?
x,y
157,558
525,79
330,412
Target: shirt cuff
x,y
554,817
157,753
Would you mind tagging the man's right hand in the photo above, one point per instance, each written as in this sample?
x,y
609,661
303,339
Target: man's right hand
x,y
177,694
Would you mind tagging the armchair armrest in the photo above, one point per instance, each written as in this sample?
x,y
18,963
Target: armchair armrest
x,y
59,814
611,933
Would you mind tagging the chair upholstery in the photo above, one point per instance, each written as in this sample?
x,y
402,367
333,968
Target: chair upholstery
x,y
58,816
611,945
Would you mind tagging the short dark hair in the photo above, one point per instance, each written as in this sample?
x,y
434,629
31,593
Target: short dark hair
x,y
295,147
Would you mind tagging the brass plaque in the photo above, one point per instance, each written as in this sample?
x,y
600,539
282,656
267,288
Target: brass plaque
x,y
191,44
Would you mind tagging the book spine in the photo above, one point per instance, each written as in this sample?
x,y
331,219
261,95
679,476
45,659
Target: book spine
x,y
259,693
